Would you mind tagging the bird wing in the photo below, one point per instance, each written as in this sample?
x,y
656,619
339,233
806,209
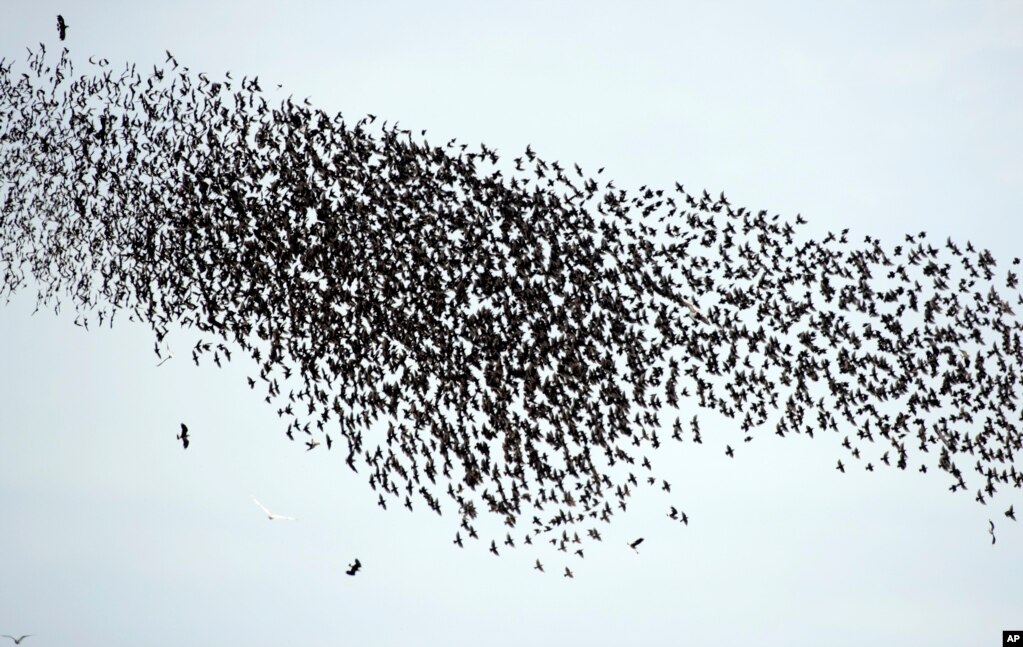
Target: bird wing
x,y
263,507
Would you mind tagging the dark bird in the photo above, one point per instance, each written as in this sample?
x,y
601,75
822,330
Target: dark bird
x,y
840,468
354,567
538,567
1010,513
729,451
991,531
183,436
62,32
635,544
674,513
17,641
568,572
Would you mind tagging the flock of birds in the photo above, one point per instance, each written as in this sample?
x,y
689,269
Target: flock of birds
x,y
481,334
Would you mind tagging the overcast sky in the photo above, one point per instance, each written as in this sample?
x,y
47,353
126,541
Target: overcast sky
x,y
885,117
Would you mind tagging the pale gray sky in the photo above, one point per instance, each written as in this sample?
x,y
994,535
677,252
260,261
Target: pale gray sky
x,y
886,117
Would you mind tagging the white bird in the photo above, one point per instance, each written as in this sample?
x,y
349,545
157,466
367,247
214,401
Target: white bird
x,y
696,312
17,641
271,516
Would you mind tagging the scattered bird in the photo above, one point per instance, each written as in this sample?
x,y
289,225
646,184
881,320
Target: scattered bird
x,y
183,436
635,544
1010,513
991,531
62,32
354,567
568,572
271,516
538,567
17,641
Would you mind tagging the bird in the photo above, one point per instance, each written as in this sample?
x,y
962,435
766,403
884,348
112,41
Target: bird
x,y
568,573
673,514
62,32
312,444
169,357
183,436
17,641
1010,513
538,567
695,311
271,516
991,531
354,567
634,545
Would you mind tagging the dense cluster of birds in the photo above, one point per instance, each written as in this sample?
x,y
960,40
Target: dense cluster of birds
x,y
479,334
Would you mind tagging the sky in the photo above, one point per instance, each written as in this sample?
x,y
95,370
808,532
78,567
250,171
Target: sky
x,y
884,117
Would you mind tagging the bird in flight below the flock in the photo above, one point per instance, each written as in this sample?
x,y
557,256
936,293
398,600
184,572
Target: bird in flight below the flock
x,y
62,32
17,641
634,545
354,567
272,516
1010,513
183,436
991,531
163,361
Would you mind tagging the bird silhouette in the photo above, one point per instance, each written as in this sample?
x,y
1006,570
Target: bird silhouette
x,y
354,567
183,436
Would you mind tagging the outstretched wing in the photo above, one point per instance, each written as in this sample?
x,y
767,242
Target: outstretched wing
x,y
263,507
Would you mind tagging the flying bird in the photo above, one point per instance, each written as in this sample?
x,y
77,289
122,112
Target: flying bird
x,y
991,531
1010,513
568,573
538,567
635,544
62,32
183,436
17,641
354,567
271,516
